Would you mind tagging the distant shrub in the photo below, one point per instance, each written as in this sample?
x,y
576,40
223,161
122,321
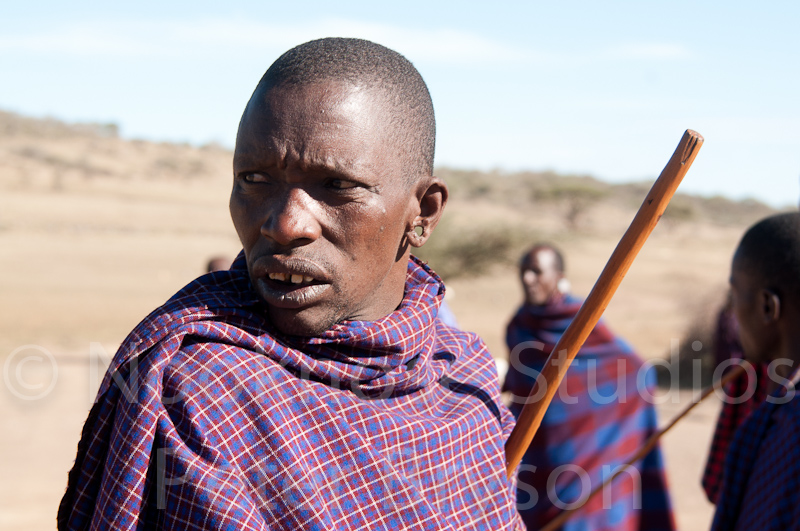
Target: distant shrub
x,y
577,196
470,184
453,252
679,210
104,130
730,212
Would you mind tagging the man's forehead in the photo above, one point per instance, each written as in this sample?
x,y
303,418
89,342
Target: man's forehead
x,y
315,97
329,107
331,127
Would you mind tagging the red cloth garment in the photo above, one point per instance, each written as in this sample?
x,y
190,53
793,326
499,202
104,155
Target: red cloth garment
x,y
209,419
598,419
745,395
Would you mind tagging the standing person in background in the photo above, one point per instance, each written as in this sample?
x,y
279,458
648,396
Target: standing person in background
x,y
596,421
761,478
743,395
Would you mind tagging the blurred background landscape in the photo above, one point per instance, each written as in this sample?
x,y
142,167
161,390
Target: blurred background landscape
x,y
96,231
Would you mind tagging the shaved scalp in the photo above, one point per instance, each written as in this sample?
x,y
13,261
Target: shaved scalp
x,y
412,126
540,246
770,250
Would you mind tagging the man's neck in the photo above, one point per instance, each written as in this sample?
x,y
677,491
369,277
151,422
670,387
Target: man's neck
x,y
788,351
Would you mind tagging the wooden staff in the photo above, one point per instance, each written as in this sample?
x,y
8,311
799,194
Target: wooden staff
x,y
559,520
642,225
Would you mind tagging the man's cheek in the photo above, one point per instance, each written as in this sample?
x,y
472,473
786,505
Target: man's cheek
x,y
247,226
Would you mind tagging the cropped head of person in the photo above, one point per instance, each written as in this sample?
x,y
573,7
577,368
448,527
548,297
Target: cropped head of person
x,y
333,182
765,288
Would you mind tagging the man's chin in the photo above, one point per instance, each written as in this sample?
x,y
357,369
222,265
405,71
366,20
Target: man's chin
x,y
308,322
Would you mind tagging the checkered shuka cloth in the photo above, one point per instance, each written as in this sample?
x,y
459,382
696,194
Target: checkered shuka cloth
x,y
209,419
761,479
598,419
748,391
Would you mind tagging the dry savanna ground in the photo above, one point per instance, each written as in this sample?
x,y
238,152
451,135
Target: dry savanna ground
x,y
96,231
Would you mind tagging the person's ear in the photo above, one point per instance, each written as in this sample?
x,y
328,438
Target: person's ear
x,y
431,196
770,306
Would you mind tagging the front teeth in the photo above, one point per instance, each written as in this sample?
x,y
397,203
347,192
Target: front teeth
x,y
294,279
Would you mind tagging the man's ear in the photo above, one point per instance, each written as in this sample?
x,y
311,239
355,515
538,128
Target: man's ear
x,y
430,194
770,305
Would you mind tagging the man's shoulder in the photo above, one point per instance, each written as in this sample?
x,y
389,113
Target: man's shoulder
x,y
784,414
768,434
471,360
762,472
465,345
212,296
218,303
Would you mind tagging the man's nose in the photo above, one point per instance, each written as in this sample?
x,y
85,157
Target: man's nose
x,y
529,277
292,219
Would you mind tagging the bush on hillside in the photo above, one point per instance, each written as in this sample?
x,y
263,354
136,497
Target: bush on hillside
x,y
453,252
576,195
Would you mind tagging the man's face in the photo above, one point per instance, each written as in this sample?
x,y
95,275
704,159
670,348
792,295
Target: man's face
x,y
539,275
321,206
757,339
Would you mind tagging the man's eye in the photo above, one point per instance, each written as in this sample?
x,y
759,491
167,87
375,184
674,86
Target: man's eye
x,y
341,184
255,177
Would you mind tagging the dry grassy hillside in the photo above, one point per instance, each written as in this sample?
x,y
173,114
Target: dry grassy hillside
x,y
95,231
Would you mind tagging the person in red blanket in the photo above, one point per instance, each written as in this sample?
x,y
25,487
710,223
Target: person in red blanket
x,y
310,386
598,418
742,396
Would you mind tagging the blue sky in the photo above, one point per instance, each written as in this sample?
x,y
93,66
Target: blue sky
x,y
605,88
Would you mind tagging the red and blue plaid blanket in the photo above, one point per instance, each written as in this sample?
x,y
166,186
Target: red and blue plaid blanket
x,y
209,419
597,420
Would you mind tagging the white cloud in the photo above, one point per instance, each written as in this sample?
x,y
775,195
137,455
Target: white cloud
x,y
646,51
80,40
439,45
216,37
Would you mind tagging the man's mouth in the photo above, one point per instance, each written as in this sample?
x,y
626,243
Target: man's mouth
x,y
291,290
290,279
290,283
284,290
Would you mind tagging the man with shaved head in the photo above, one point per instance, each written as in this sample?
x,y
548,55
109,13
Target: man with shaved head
x,y
311,386
761,478
597,420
